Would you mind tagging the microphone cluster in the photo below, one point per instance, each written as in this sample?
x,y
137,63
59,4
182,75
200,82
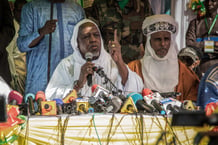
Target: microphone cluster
x,y
101,100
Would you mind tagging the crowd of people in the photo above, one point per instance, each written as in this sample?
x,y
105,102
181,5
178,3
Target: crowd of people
x,y
53,39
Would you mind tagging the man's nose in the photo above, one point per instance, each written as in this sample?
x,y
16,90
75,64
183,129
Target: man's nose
x,y
163,42
92,38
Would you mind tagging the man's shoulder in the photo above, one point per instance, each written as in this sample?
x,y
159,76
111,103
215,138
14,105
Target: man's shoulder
x,y
134,63
186,72
212,76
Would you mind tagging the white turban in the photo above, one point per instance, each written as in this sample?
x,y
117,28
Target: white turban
x,y
157,23
160,74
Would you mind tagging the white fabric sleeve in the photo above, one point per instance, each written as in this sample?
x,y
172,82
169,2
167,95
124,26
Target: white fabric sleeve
x,y
60,84
134,83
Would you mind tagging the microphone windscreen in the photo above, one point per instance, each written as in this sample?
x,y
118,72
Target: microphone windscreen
x,y
29,95
40,95
135,96
117,103
146,92
15,96
88,56
94,87
58,101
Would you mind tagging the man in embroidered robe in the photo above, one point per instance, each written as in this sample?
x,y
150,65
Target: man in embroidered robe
x,y
160,68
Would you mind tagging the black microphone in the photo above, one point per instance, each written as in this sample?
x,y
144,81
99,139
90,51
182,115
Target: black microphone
x,y
170,94
88,57
154,100
140,103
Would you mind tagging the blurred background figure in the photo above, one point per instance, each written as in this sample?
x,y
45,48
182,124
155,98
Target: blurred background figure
x,y
6,35
126,16
208,87
45,31
202,33
16,59
191,58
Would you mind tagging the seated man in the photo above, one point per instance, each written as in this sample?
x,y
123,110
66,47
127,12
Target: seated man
x,y
191,57
208,88
160,68
71,72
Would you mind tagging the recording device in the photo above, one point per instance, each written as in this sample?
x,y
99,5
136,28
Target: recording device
x,y
88,57
15,98
3,109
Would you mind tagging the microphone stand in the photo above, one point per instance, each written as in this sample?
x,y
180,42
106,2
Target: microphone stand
x,y
101,73
50,40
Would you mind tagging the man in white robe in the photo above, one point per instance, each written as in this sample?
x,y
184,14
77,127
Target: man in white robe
x,y
71,73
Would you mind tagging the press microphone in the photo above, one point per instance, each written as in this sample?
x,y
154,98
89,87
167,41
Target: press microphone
x,y
29,100
40,96
88,57
15,98
59,104
171,105
153,99
140,103
96,89
170,94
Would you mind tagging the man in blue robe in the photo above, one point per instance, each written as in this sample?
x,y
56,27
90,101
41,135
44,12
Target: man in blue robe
x,y
37,23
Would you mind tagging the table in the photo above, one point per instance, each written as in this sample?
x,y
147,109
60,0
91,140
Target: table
x,y
103,129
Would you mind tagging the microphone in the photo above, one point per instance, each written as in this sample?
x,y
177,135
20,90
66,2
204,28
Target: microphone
x,y
29,99
104,100
170,94
3,109
96,89
153,99
88,57
140,103
59,104
171,105
116,104
146,92
40,96
15,98
70,97
188,105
